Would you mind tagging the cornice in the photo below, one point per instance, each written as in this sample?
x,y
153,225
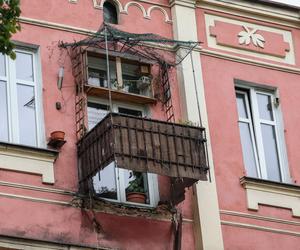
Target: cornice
x,y
258,11
183,3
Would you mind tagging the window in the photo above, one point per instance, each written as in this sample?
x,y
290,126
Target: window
x,y
116,184
19,99
125,75
110,14
261,134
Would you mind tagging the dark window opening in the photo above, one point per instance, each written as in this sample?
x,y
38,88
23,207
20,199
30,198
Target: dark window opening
x,y
110,14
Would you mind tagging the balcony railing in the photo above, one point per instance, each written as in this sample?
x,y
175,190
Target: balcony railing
x,y
144,145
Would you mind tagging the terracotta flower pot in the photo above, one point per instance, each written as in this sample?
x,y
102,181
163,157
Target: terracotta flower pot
x,y
136,197
57,135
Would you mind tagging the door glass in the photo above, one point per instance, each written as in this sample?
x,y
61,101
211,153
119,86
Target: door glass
x,y
248,151
24,66
3,112
136,187
26,112
271,154
104,182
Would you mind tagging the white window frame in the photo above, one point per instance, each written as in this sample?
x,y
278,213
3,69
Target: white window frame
x,y
120,173
11,93
255,122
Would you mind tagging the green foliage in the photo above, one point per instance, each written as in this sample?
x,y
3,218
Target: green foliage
x,y
136,185
9,25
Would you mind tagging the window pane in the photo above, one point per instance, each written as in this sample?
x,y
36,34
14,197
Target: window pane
x,y
3,112
136,187
265,107
132,112
26,111
24,66
105,182
131,74
110,13
271,154
241,104
96,113
248,152
97,72
2,65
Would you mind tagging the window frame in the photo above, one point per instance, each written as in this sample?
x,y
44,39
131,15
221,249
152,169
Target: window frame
x,y
12,96
255,122
119,172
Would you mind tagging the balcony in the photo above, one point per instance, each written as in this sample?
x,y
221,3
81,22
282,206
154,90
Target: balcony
x,y
144,145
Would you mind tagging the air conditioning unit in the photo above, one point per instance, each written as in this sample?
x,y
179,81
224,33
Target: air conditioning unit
x,y
143,82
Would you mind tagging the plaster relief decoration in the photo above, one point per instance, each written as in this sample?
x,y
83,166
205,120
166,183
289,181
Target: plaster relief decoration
x,y
248,35
249,39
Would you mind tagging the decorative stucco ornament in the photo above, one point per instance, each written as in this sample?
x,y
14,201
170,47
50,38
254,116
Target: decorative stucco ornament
x,y
247,35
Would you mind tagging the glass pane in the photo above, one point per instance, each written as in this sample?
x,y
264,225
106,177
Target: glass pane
x,y
136,187
241,104
104,182
131,74
2,65
110,13
132,112
26,111
3,113
96,112
24,66
271,154
265,107
97,72
248,152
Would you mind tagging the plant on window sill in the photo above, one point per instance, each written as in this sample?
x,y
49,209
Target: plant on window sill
x,y
135,191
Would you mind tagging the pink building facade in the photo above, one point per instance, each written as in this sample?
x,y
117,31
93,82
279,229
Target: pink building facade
x,y
241,80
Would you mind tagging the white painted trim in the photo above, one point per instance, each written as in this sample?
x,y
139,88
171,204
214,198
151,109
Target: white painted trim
x,y
256,11
153,7
208,233
28,161
272,195
137,4
289,57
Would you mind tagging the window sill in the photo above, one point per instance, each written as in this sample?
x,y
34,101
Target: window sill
x,y
27,159
118,95
271,193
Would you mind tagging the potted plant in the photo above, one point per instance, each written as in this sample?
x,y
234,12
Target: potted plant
x,y
135,191
57,136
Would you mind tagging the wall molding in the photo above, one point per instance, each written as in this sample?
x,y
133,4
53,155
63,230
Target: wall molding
x,y
98,4
260,217
261,192
260,228
257,11
28,160
37,188
249,61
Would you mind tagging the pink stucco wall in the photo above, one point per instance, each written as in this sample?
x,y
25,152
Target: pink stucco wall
x,y
51,221
219,75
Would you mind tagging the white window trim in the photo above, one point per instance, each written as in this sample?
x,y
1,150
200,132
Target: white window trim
x,y
119,172
256,137
11,92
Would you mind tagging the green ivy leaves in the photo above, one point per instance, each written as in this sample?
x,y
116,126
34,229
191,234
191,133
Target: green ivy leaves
x,y
9,25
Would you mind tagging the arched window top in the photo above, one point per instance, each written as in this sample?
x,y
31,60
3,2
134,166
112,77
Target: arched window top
x,y
110,13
